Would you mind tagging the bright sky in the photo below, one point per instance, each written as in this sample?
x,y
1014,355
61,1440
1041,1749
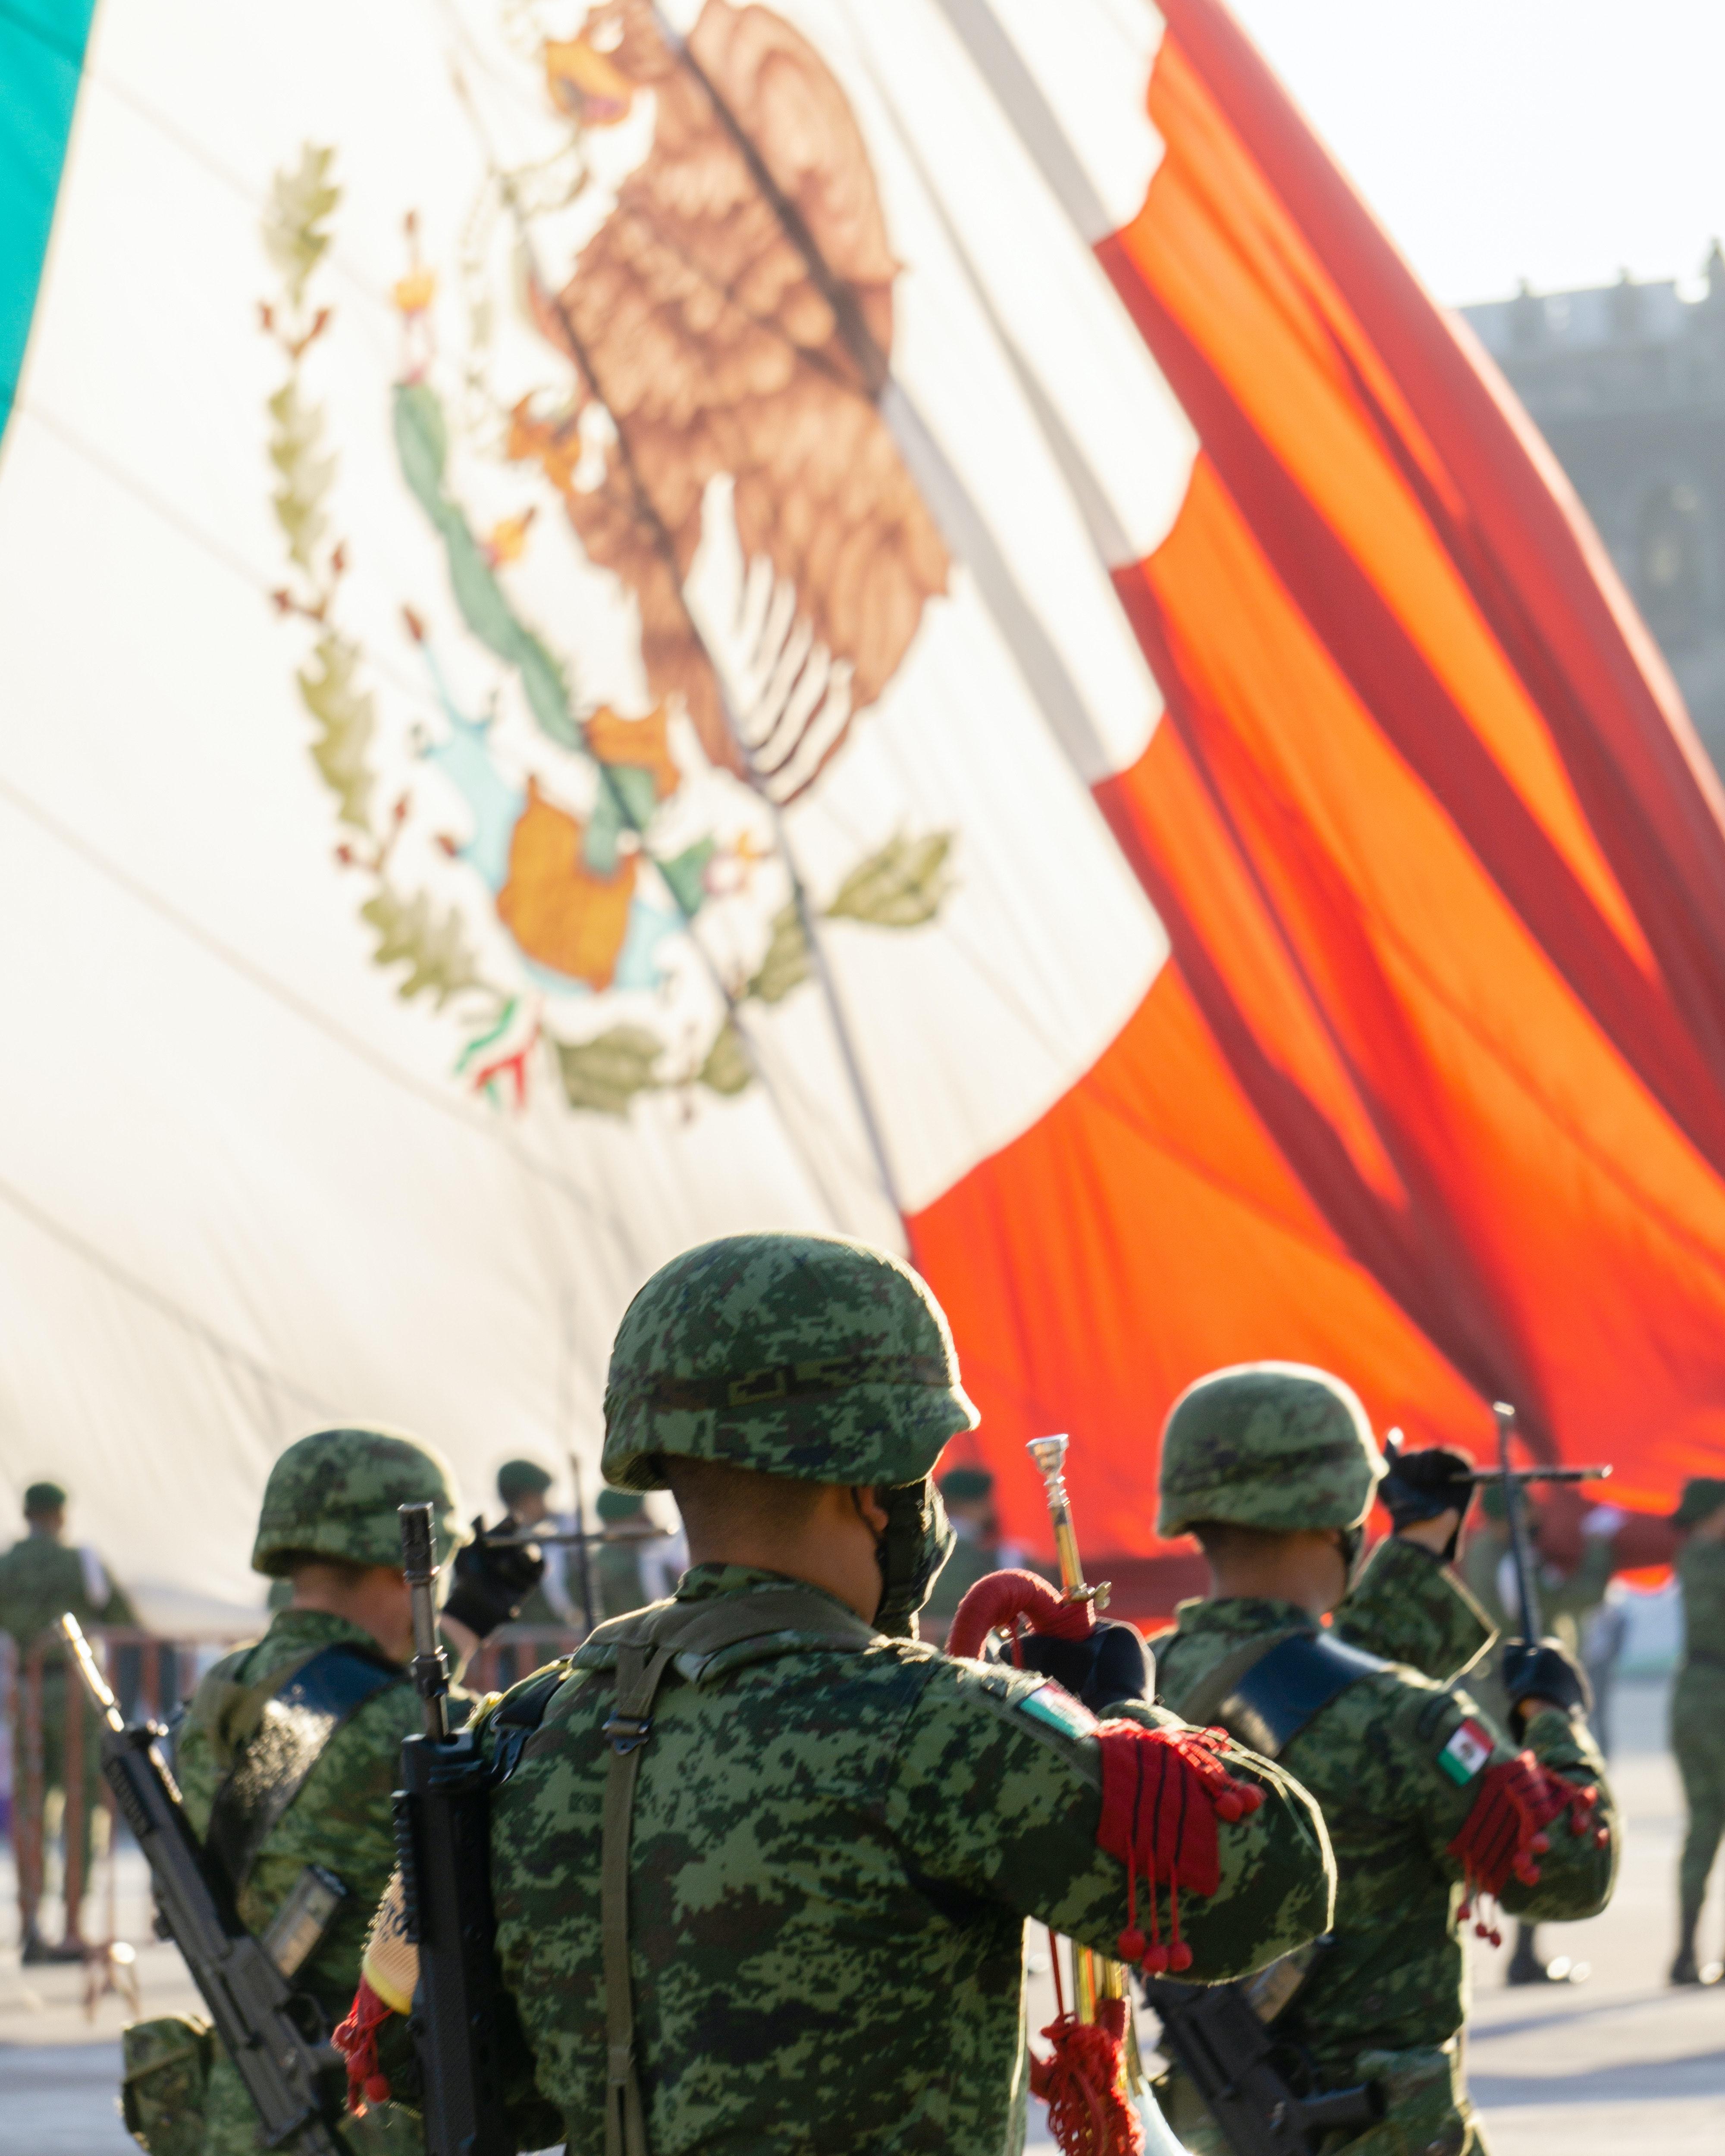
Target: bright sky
x,y
1556,140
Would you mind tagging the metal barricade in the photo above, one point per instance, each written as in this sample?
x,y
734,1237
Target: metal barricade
x,y
515,1651
53,1739
53,1735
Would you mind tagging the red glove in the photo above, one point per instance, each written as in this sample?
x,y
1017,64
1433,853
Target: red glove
x,y
1162,1792
1503,1833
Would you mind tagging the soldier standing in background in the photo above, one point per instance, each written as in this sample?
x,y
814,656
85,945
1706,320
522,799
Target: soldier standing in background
x,y
1568,1601
41,1577
1272,1468
635,1564
968,1495
1698,1706
291,1749
837,1833
522,1484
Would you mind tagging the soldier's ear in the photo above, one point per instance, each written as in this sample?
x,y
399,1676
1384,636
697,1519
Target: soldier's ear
x,y
870,1510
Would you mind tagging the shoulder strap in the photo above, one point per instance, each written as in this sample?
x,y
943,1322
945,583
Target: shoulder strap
x,y
1284,1687
647,1644
1201,1703
306,1704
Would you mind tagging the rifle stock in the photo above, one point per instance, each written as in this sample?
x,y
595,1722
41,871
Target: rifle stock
x,y
1226,2052
274,2035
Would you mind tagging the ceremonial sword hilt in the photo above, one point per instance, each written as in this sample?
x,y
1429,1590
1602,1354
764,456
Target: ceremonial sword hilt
x,y
1050,1455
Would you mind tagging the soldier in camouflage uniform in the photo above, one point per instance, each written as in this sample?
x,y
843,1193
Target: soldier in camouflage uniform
x,y
1566,1601
837,1832
333,1661
1698,1705
618,1583
41,1579
968,1495
1273,1467
522,1485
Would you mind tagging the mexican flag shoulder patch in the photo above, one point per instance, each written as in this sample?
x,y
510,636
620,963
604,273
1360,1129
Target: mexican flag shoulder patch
x,y
1466,1752
1049,1703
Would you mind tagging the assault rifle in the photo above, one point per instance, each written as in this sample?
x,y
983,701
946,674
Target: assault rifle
x,y
442,1844
274,2035
1225,2050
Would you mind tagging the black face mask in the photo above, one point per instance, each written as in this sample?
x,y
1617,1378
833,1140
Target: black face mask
x,y
915,1543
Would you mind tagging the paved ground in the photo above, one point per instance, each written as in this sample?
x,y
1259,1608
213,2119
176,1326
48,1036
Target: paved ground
x,y
1614,2066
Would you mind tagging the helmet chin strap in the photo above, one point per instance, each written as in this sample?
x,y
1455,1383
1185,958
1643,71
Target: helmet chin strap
x,y
1349,1542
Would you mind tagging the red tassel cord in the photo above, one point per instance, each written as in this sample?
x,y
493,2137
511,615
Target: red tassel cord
x,y
1001,1600
1080,2080
357,2039
1505,1833
1163,1790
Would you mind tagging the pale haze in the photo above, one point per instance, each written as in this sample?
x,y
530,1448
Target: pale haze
x,y
1561,141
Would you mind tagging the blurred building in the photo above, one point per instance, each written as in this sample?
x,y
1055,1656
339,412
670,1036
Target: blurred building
x,y
1627,383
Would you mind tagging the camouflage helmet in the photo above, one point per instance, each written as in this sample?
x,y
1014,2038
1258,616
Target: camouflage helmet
x,y
521,1478
1702,1496
335,1494
806,1356
1275,1445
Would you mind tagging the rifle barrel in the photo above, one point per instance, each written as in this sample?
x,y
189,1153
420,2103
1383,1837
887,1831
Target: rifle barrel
x,y
95,1683
1525,1475
1515,1499
430,1671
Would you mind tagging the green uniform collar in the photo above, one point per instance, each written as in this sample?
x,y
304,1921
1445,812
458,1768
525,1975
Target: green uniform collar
x,y
706,1583
1240,1617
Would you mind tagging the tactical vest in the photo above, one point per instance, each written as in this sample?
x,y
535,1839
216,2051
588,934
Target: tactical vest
x,y
280,1726
696,1642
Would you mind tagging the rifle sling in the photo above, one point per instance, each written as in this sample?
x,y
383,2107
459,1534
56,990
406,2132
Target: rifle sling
x,y
646,1650
293,1721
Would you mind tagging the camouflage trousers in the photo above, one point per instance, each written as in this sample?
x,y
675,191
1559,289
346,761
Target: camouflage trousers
x,y
1427,2112
1698,1740
231,2124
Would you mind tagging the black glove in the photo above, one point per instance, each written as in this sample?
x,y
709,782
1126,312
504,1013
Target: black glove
x,y
1547,1671
491,1580
1112,1664
1426,1484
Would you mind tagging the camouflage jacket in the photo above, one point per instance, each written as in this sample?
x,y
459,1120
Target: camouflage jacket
x,y
1701,1574
342,1817
1374,1758
833,1858
1407,1607
41,1579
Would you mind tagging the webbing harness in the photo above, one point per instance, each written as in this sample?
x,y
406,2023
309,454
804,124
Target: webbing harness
x,y
686,1635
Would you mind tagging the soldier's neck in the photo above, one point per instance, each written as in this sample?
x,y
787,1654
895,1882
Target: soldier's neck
x,y
832,1548
374,1597
1306,1568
